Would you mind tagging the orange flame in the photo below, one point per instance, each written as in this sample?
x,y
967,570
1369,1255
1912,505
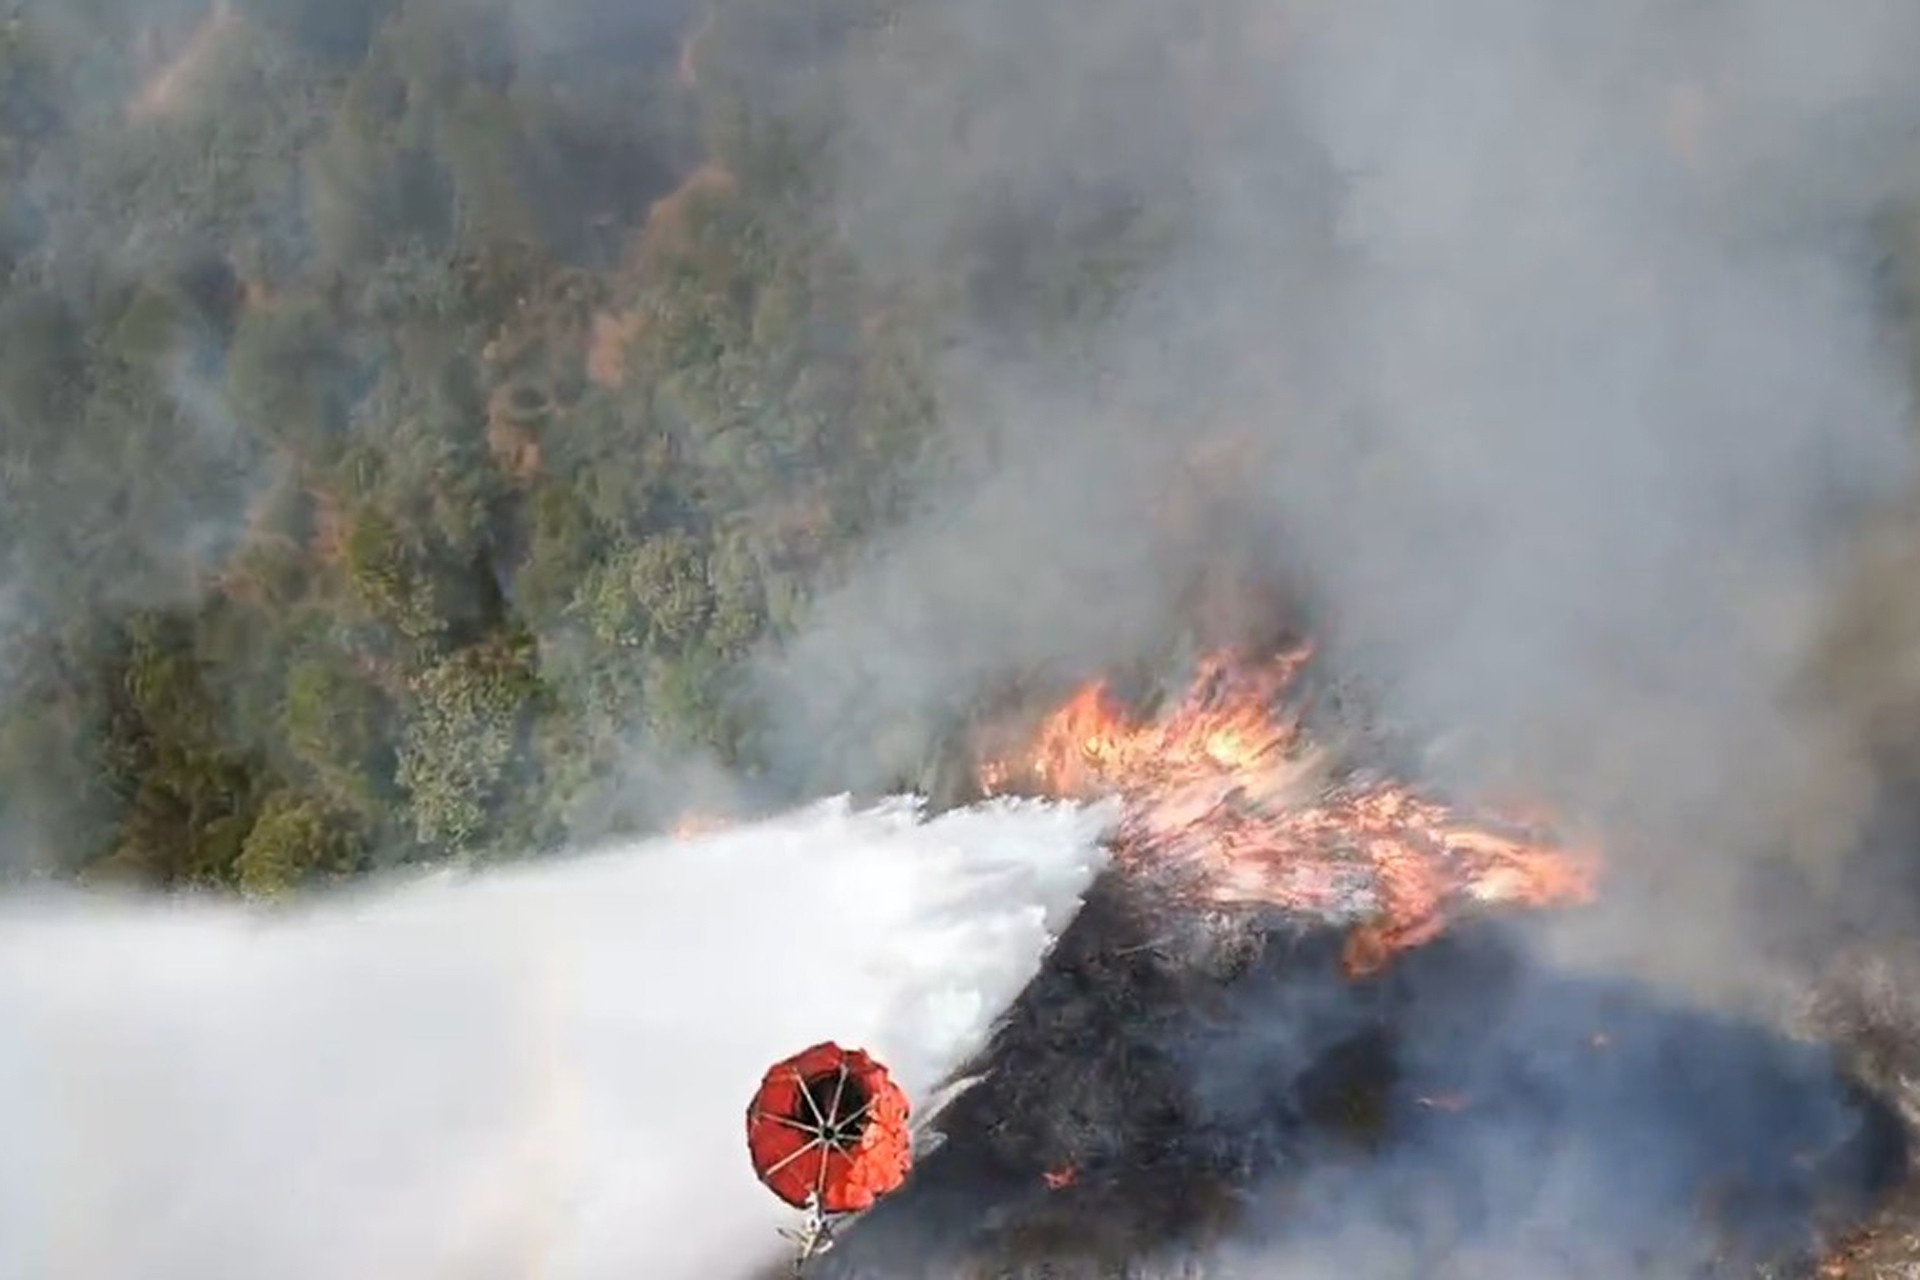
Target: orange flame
x,y
696,823
1226,791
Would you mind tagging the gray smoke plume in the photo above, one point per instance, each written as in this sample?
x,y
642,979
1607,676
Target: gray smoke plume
x,y
1546,344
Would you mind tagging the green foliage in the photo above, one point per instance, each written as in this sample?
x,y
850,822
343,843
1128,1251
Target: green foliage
x,y
55,751
288,375
42,363
149,328
389,576
687,702
293,842
336,30
408,409
654,595
191,795
336,724
464,728
564,539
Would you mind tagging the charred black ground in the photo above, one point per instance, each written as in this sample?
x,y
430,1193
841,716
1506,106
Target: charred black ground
x,y
1216,1085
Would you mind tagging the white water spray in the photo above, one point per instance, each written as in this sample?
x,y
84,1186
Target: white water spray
x,y
535,1072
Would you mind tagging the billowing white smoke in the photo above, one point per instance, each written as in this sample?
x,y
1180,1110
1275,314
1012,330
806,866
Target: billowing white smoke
x,y
535,1072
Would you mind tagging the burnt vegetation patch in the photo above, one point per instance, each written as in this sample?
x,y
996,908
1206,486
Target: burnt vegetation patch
x,y
1184,1092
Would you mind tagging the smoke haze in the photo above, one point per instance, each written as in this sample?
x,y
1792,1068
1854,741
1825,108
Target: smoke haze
x,y
1542,355
1551,342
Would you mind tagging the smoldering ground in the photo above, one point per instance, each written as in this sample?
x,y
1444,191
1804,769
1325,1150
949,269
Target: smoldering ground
x,y
1186,1091
1173,1099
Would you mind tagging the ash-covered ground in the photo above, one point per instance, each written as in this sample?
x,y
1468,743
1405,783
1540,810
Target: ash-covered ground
x,y
1185,1095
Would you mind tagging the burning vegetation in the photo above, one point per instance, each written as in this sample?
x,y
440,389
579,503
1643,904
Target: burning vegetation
x,y
1299,1028
1225,794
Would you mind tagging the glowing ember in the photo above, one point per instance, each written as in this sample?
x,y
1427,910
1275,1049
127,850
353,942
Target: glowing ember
x,y
1224,792
695,823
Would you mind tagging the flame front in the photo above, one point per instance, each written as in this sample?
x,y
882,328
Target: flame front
x,y
1225,793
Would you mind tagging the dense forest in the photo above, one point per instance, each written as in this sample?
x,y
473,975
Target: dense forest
x,y
415,414
408,408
